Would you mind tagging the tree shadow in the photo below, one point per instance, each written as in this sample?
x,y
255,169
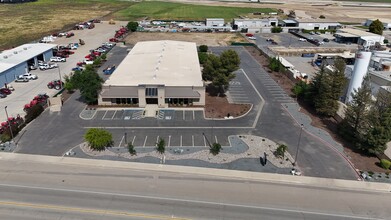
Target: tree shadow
x,y
214,91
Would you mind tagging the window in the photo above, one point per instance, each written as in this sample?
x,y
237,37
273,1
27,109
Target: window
x,y
151,92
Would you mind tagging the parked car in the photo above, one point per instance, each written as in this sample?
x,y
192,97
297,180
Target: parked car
x,y
249,35
114,40
312,33
21,79
109,70
69,34
57,59
274,43
78,68
252,38
317,33
100,50
109,44
88,62
302,39
326,40
28,76
2,95
5,91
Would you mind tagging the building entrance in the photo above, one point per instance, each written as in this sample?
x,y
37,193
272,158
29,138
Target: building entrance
x,y
151,101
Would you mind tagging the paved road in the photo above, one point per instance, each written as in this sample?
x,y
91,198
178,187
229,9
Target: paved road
x,y
38,187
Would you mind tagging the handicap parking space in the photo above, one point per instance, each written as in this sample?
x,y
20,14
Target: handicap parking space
x,y
166,114
239,90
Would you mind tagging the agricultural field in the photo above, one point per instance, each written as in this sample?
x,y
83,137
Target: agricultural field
x,y
22,23
179,11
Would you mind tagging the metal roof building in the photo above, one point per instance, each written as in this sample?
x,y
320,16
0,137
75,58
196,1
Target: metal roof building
x,y
159,73
16,61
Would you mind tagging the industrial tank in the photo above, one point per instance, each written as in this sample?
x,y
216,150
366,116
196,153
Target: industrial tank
x,y
359,72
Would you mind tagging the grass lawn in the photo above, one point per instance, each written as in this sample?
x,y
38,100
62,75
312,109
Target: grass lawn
x,y
179,11
22,23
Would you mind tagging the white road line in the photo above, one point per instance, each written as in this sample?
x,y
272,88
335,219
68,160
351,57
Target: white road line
x,y
123,136
192,140
134,138
169,141
193,115
181,141
223,204
114,114
104,115
145,140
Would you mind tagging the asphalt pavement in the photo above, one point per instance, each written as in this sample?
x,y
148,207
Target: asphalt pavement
x,y
43,188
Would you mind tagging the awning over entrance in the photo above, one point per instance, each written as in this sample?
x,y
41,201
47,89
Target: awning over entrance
x,y
120,92
181,92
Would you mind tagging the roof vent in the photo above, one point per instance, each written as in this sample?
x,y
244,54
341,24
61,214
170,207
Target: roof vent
x,y
15,52
24,48
5,56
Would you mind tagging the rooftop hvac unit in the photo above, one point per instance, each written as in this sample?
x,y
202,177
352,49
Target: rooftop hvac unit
x,y
15,52
5,56
24,48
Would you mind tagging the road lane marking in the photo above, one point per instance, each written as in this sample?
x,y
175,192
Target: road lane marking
x,y
192,140
114,115
186,201
181,141
169,140
134,138
83,210
122,139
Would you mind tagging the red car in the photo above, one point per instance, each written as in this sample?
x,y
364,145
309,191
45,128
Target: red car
x,y
5,91
70,34
114,40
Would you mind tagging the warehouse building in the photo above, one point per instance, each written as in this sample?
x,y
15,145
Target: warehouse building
x,y
16,61
386,23
253,25
317,24
362,38
158,73
215,22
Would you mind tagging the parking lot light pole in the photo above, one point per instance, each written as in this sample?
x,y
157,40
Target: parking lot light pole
x,y
9,124
298,144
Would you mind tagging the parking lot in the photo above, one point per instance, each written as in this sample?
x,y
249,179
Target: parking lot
x,y
24,92
137,114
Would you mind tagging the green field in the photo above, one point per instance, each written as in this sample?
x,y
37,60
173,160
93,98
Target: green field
x,y
179,11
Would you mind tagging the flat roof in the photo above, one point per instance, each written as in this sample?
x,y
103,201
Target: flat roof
x,y
346,35
285,62
165,62
289,21
316,21
25,52
357,32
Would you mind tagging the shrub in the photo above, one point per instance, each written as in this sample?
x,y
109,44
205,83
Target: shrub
x,y
215,149
322,17
386,164
5,137
385,41
33,113
131,149
202,57
161,146
276,30
98,139
203,48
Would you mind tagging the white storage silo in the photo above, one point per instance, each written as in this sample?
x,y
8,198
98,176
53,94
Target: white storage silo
x,y
359,72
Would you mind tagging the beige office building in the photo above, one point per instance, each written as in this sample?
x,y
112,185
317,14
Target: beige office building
x,y
157,73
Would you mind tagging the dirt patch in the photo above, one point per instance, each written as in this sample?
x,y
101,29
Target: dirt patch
x,y
360,160
219,107
210,39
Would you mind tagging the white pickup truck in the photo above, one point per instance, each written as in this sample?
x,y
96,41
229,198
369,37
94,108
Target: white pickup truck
x,y
57,59
28,76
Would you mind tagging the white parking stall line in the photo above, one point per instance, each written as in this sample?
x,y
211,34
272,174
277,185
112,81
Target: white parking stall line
x,y
122,139
193,115
169,141
134,138
181,141
192,140
239,95
114,115
145,140
216,141
184,114
157,139
204,140
104,115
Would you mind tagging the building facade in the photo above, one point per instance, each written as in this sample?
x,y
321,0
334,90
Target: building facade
x,y
16,61
159,73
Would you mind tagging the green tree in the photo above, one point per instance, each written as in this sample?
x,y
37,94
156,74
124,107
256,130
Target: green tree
x,y
202,57
300,89
379,135
98,139
215,149
131,149
89,83
132,26
203,48
276,29
211,67
161,146
280,151
275,64
356,123
376,27
230,61
68,84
